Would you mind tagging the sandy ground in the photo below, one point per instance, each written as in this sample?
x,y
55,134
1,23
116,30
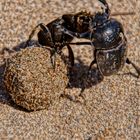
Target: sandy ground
x,y
112,107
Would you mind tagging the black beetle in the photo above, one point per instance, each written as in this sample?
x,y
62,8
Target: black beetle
x,y
61,31
107,37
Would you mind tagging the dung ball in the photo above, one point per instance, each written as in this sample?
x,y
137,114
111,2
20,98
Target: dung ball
x,y
31,79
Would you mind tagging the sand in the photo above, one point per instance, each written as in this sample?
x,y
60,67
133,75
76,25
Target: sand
x,y
112,104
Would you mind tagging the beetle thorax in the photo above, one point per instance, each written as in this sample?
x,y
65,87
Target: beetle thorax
x,y
107,34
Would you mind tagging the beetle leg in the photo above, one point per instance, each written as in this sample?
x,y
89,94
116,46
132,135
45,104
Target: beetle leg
x,y
80,43
68,32
92,63
43,27
53,57
71,55
31,35
85,35
53,49
136,67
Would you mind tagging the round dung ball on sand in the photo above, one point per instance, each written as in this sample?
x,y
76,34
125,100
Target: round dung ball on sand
x,y
32,81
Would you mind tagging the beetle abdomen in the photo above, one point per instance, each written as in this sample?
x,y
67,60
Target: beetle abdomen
x,y
111,61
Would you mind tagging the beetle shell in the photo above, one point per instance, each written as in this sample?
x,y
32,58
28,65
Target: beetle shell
x,y
107,35
111,61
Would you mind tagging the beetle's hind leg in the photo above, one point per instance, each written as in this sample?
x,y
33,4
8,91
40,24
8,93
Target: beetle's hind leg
x,y
31,35
135,67
91,64
53,57
43,27
71,56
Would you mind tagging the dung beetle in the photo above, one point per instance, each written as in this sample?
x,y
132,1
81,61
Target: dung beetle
x,y
60,32
110,44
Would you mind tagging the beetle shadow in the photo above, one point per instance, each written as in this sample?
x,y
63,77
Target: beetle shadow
x,y
81,77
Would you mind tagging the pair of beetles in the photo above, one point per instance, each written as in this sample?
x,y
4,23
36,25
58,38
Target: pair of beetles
x,y
105,34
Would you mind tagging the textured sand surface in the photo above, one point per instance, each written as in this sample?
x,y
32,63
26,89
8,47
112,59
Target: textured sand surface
x,y
112,107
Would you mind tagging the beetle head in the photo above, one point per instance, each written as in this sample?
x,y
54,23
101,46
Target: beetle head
x,y
99,19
